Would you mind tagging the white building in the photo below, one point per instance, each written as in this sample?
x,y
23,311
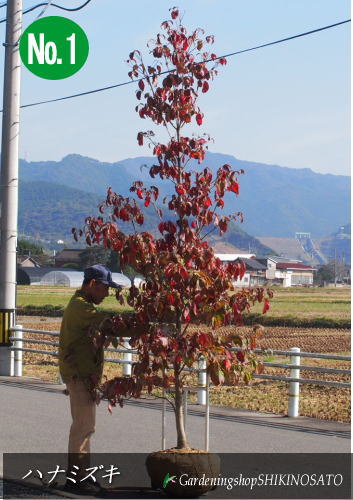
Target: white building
x,y
231,257
289,272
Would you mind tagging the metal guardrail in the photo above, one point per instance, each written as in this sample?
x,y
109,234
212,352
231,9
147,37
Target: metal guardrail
x,y
202,389
294,365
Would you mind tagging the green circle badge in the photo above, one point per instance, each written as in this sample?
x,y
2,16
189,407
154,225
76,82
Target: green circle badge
x,y
54,47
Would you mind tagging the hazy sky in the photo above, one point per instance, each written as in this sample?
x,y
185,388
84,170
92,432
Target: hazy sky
x,y
287,104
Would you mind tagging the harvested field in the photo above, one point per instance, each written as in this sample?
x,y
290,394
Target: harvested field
x,y
329,403
287,304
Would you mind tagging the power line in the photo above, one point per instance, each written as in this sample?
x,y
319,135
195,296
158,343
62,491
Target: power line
x,y
288,38
102,89
45,4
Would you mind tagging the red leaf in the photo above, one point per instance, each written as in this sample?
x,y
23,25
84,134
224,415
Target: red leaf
x,y
141,85
223,61
208,203
140,138
234,187
179,189
193,224
199,118
170,299
205,87
227,364
174,14
266,306
147,201
202,339
139,193
240,356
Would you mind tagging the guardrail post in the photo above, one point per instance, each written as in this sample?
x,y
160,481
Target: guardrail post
x,y
164,404
127,356
201,393
207,414
185,404
6,355
18,353
293,401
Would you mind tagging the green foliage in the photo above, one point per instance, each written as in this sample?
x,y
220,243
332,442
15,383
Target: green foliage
x,y
335,270
51,210
295,322
99,255
131,273
71,265
25,247
45,310
94,255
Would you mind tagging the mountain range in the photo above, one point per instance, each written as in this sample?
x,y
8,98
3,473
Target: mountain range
x,y
276,201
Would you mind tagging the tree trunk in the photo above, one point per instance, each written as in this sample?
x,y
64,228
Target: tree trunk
x,y
179,417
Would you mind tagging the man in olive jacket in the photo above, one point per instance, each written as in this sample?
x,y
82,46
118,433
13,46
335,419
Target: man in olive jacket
x,y
81,362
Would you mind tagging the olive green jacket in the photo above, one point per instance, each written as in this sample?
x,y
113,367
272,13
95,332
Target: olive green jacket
x,y
78,356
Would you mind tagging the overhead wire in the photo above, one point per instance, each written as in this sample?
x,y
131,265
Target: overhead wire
x,y
288,38
45,5
109,87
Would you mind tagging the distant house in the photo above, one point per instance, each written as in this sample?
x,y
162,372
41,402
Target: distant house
x,y
287,272
296,274
255,273
232,257
27,261
68,256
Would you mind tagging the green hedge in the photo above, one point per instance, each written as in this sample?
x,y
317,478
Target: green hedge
x,y
249,319
46,310
292,321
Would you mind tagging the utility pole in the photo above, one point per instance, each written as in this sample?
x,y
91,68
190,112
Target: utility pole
x,y
9,179
335,263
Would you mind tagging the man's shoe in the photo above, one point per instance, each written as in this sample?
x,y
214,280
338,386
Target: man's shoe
x,y
88,487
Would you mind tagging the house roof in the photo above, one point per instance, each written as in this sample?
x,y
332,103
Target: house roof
x,y
277,258
253,264
293,265
22,259
233,256
69,254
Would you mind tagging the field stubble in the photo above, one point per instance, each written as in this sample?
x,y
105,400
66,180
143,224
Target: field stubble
x,y
330,403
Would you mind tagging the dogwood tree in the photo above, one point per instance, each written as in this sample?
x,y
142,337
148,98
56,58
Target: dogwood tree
x,y
184,282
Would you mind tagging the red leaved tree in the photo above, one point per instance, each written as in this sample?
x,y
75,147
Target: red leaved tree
x,y
184,282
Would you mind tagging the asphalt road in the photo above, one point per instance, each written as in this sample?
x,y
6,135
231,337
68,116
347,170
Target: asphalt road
x,y
35,418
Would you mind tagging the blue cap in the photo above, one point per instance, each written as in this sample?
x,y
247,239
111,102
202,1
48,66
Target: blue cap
x,y
100,273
